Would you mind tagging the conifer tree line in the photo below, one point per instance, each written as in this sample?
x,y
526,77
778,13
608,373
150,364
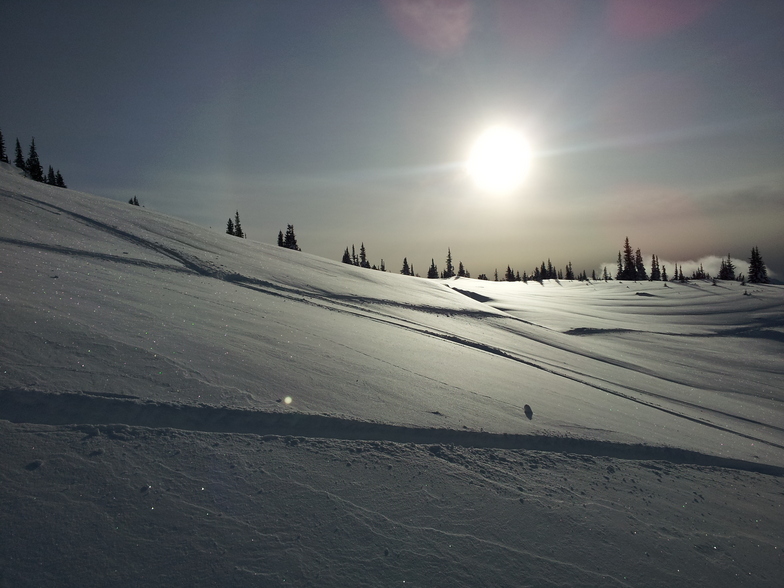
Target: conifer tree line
x,y
361,260
134,201
32,165
631,267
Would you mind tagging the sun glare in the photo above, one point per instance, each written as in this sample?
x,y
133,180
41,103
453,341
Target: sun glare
x,y
499,160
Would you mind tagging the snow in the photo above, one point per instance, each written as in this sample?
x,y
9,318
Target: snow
x,y
148,437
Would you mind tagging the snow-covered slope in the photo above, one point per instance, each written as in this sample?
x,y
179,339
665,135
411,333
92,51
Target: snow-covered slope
x,y
115,318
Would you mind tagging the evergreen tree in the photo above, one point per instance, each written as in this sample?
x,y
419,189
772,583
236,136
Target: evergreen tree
x,y
135,201
550,270
758,273
537,275
237,227
50,179
525,277
346,254
593,275
229,224
363,262
629,271
3,154
496,275
461,273
509,275
482,277
413,273
655,272
432,272
382,267
406,271
559,275
33,165
639,267
664,273
19,159
727,270
58,180
280,239
619,271
290,240
569,271
449,271
354,258
605,275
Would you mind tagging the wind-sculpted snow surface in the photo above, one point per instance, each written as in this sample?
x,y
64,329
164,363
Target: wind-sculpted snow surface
x,y
133,344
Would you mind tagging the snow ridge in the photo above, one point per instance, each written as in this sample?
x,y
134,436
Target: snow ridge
x,y
101,409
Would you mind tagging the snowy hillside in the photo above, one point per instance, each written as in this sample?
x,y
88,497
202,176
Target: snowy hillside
x,y
182,407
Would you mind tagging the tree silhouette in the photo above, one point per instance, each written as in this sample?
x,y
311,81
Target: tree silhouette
x,y
238,232
3,155
60,183
758,273
432,271
727,269
406,271
33,164
229,225
449,270
290,240
346,254
19,158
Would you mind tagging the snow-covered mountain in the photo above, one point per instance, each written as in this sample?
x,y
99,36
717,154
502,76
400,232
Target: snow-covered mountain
x,y
183,407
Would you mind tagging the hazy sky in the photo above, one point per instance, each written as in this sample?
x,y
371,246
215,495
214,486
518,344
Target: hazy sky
x,y
662,120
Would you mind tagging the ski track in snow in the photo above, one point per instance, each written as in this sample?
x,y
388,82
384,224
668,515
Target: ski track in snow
x,y
91,410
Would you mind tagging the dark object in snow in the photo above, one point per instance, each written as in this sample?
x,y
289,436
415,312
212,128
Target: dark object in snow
x,y
34,465
528,412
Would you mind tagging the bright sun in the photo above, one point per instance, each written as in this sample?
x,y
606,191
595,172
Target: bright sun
x,y
499,160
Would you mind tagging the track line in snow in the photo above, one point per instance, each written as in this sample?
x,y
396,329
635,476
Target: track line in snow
x,y
31,406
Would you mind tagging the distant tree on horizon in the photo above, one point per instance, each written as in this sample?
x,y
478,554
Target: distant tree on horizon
x,y
727,269
50,177
569,275
627,269
449,270
346,254
60,183
290,240
363,262
19,160
3,154
432,271
33,164
655,271
229,224
280,239
135,202
238,232
406,271
758,273
664,274
639,267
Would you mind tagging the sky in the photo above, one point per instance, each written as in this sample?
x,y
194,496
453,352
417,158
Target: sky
x,y
352,120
